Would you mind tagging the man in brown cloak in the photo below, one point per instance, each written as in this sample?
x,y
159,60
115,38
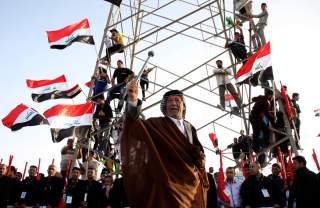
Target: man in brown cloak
x,y
163,160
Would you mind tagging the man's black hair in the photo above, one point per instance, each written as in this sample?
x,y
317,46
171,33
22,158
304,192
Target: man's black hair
x,y
300,159
295,94
76,168
263,4
276,165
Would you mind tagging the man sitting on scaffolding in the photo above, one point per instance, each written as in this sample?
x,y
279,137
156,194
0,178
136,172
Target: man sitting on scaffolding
x,y
237,46
116,46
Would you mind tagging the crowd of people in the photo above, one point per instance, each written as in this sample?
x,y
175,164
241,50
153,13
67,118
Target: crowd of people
x,y
298,190
54,190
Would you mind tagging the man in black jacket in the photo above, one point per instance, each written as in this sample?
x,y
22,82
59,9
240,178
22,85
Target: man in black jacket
x,y
304,191
51,188
93,190
29,194
4,185
103,114
278,181
258,190
75,191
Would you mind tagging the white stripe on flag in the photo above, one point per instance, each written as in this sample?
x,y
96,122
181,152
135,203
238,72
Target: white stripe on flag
x,y
25,116
62,86
261,64
63,122
66,40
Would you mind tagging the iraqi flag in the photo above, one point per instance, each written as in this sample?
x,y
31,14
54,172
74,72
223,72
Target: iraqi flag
x,y
229,100
317,112
42,90
78,32
70,121
258,66
115,2
22,116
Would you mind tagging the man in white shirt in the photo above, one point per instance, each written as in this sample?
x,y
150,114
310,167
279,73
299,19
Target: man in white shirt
x,y
223,82
259,39
232,188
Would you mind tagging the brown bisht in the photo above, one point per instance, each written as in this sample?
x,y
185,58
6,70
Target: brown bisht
x,y
161,168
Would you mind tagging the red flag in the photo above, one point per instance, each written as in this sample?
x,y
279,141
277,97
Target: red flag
x,y
221,193
9,165
314,156
61,203
283,167
287,104
290,166
243,169
88,84
213,139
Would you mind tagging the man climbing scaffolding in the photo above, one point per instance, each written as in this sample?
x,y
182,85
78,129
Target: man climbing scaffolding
x,y
223,82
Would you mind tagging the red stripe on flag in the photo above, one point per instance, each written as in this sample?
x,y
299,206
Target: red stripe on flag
x,y
73,89
9,120
56,35
69,110
45,82
246,70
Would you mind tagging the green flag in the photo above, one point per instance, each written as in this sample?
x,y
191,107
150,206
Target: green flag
x,y
228,22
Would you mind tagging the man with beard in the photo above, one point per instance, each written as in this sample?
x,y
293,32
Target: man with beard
x,y
29,193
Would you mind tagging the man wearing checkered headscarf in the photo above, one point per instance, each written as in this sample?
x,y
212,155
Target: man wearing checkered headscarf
x,y
163,161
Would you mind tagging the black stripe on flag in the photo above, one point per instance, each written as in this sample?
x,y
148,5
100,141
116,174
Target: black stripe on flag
x,y
75,131
81,39
54,95
115,2
36,120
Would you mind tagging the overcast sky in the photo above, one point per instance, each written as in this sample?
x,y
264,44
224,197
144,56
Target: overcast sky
x,y
293,30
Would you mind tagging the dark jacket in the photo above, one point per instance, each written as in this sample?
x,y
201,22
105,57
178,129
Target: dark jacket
x,y
4,185
252,195
93,189
106,109
76,190
29,193
212,193
279,183
51,191
304,189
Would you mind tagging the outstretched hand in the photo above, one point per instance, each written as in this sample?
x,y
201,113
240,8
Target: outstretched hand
x,y
133,90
